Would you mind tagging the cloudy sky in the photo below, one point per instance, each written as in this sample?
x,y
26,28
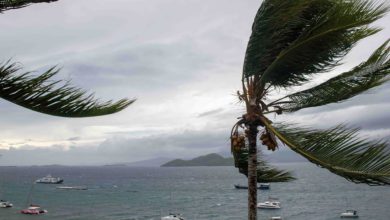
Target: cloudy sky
x,y
182,60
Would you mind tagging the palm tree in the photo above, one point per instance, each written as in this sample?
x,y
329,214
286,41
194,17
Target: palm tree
x,y
290,42
43,94
15,4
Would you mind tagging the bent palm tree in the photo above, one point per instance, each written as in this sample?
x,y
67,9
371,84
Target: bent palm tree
x,y
42,94
291,41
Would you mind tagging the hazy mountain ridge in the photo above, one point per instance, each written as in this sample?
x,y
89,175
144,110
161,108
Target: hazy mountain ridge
x,y
206,160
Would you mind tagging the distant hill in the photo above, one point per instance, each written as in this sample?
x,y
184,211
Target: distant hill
x,y
207,160
154,162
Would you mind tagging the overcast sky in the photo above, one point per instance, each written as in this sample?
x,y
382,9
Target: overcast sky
x,y
182,60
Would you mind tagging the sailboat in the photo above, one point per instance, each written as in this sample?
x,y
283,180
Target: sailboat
x,y
5,204
32,209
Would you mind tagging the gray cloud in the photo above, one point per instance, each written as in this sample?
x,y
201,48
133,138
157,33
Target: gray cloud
x,y
119,149
182,60
211,112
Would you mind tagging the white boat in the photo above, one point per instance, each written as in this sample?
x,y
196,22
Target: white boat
x,y
172,217
276,218
50,180
272,203
72,187
349,214
5,204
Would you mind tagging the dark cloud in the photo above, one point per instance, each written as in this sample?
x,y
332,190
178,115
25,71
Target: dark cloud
x,y
211,112
74,138
185,144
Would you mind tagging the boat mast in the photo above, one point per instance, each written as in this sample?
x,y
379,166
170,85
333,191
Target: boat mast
x,y
30,195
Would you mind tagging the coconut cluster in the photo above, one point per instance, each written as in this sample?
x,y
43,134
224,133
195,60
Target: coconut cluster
x,y
268,139
237,142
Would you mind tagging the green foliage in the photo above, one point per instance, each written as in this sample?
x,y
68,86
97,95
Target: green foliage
x,y
293,39
15,4
339,150
58,98
367,75
265,172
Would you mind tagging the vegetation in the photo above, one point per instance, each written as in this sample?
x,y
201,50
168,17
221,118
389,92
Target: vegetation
x,y
291,41
15,4
43,94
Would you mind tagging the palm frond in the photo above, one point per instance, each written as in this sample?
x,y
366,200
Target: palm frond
x,y
15,4
58,98
293,39
367,75
265,172
339,150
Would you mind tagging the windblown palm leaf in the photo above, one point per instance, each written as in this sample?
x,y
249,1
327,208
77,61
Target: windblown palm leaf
x,y
367,75
265,172
15,4
339,150
41,94
293,39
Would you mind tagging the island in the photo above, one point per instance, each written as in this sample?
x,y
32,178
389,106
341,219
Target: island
x,y
206,160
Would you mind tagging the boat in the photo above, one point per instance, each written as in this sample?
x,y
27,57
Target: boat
x,y
50,180
172,216
5,204
349,214
276,218
33,210
272,203
262,186
72,187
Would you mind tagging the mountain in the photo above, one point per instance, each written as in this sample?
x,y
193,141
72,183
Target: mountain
x,y
155,162
206,160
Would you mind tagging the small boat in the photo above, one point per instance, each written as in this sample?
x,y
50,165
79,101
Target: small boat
x,y
50,180
72,187
33,210
262,186
349,214
276,218
272,203
172,217
5,204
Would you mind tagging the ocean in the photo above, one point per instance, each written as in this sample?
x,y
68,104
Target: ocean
x,y
132,193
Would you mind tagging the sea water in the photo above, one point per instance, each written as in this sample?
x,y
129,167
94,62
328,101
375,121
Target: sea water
x,y
131,193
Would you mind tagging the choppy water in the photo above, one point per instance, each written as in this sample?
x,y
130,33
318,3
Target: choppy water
x,y
128,193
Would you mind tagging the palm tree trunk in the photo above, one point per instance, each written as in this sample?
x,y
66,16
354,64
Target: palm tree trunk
x,y
252,173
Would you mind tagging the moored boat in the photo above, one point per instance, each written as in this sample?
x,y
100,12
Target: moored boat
x,y
50,180
5,204
272,203
268,205
262,186
349,214
172,217
72,187
276,218
33,210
